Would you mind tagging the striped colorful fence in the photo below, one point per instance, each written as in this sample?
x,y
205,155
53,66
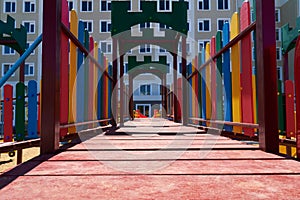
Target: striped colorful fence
x,y
85,88
227,83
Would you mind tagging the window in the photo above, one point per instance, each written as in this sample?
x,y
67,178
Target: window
x,y
6,50
188,26
105,47
125,68
277,15
30,26
203,25
145,48
223,4
70,5
145,89
105,26
278,34
9,6
279,73
278,53
145,25
86,6
162,50
29,6
203,4
88,25
105,5
202,44
28,45
6,67
162,27
221,22
188,47
29,69
164,5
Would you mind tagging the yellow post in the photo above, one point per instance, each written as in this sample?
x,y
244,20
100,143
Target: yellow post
x,y
73,72
208,83
236,83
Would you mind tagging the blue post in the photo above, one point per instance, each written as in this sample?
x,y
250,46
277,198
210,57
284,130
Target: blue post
x,y
32,110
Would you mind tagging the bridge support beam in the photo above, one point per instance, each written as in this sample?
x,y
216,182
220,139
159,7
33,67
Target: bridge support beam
x,y
267,76
122,90
51,77
184,106
114,101
175,91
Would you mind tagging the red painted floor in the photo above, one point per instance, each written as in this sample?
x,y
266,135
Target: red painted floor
x,y
152,166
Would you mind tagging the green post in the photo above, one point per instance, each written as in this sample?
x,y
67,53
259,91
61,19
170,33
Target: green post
x,y
20,112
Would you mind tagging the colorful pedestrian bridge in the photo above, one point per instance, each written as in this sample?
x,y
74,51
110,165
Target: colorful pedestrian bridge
x,y
225,130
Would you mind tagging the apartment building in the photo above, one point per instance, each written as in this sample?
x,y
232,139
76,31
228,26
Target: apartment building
x,y
29,14
205,17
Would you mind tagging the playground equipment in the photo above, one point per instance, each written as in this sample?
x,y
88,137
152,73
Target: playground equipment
x,y
68,97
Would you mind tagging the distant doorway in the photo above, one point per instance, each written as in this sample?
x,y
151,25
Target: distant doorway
x,y
144,109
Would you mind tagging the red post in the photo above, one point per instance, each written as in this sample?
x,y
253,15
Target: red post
x,y
114,102
289,108
297,89
8,113
51,76
184,88
267,76
175,102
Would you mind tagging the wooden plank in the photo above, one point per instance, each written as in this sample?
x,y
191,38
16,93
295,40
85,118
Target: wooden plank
x,y
64,70
213,79
227,78
8,113
297,89
203,85
50,76
80,77
246,67
281,113
20,111
32,110
91,82
267,76
236,83
208,84
96,79
73,72
86,74
289,108
219,85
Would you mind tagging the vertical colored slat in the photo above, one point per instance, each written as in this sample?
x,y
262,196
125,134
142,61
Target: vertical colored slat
x,y
227,79
203,75
100,88
64,71
213,78
297,89
73,72
39,108
199,85
254,99
8,113
20,112
32,109
91,83
289,105
236,87
281,110
246,65
110,88
106,94
219,89
86,76
197,90
190,90
208,84
80,77
96,72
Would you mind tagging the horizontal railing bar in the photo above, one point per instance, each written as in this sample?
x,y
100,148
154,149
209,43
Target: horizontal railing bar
x,y
83,123
242,124
23,57
12,146
232,42
72,37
